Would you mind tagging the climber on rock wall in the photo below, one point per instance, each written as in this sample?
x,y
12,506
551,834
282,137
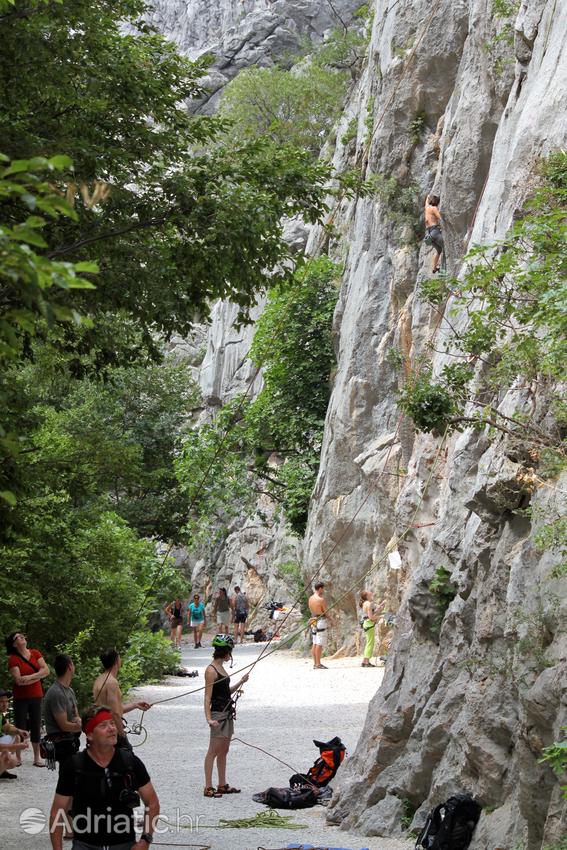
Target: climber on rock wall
x,y
433,235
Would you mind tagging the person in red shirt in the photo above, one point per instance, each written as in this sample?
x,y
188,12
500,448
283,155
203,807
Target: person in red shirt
x,y
27,668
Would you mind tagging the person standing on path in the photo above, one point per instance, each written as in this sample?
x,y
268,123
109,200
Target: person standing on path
x,y
12,739
239,606
103,784
106,691
318,623
370,615
60,710
197,619
175,613
28,668
219,712
221,611
433,235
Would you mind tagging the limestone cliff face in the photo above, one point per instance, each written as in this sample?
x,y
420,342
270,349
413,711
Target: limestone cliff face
x,y
241,33
472,707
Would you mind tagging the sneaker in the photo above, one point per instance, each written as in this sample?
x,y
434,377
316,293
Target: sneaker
x,y
7,775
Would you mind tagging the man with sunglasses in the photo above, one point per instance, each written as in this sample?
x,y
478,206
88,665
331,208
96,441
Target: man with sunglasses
x,y
103,784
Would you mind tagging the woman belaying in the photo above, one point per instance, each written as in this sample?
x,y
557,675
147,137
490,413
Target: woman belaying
x,y
370,616
219,711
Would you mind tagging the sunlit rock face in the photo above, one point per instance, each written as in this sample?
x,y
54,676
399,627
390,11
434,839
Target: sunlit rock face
x,y
468,703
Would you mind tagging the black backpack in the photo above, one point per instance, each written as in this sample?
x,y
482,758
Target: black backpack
x,y
287,798
450,826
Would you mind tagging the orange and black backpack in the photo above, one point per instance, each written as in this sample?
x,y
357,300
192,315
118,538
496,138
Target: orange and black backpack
x,y
331,756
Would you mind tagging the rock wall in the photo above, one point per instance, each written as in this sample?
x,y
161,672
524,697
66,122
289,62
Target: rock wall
x,y
241,33
471,707
467,704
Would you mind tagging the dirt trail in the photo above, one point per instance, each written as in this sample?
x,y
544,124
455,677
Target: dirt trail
x,y
285,705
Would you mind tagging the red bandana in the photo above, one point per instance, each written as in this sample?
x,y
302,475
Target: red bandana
x,y
93,722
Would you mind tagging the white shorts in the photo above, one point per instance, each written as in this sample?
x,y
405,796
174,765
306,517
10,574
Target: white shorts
x,y
223,618
196,623
7,739
320,634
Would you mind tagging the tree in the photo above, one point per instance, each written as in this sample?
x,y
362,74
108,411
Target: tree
x,y
293,345
297,107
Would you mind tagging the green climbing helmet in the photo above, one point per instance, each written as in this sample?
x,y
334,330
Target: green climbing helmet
x,y
223,641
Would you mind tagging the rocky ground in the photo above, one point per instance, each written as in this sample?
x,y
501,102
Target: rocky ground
x,y
286,704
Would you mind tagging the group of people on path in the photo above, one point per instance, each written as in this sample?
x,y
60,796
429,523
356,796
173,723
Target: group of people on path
x,y
227,611
99,787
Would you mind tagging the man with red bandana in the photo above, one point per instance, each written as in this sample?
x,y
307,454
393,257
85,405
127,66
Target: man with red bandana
x,y
103,784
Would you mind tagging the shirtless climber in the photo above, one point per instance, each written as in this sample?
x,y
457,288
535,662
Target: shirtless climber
x,y
106,691
433,228
318,624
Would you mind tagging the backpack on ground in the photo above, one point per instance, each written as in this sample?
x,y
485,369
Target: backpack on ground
x,y
331,756
450,826
287,798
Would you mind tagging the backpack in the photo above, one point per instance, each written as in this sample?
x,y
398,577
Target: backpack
x,y
450,826
287,798
128,791
331,757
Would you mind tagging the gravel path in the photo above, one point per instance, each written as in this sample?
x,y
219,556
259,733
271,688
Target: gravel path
x,y
285,705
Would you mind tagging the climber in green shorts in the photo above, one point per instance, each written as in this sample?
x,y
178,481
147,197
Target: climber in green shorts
x,y
370,615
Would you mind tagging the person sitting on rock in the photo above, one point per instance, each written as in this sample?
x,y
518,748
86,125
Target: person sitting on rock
x,y
434,235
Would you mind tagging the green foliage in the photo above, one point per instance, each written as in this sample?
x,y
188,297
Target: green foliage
x,y
556,757
402,207
553,535
395,358
350,132
409,810
504,13
430,404
417,126
444,591
184,219
514,294
293,345
297,107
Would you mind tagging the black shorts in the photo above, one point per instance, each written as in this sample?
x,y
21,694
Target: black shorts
x,y
240,618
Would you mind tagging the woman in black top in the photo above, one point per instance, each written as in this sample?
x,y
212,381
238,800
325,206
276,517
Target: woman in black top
x,y
175,613
219,712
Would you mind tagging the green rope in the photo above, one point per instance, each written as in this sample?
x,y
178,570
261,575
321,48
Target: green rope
x,y
262,820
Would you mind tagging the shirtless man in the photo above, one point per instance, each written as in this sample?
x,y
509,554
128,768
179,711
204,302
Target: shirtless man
x,y
433,227
106,691
318,623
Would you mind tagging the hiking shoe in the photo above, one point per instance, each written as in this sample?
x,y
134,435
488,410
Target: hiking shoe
x,y
7,775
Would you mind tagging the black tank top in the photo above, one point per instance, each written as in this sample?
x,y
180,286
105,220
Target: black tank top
x,y
177,611
221,698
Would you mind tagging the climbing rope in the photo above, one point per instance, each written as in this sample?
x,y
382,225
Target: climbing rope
x,y
263,820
